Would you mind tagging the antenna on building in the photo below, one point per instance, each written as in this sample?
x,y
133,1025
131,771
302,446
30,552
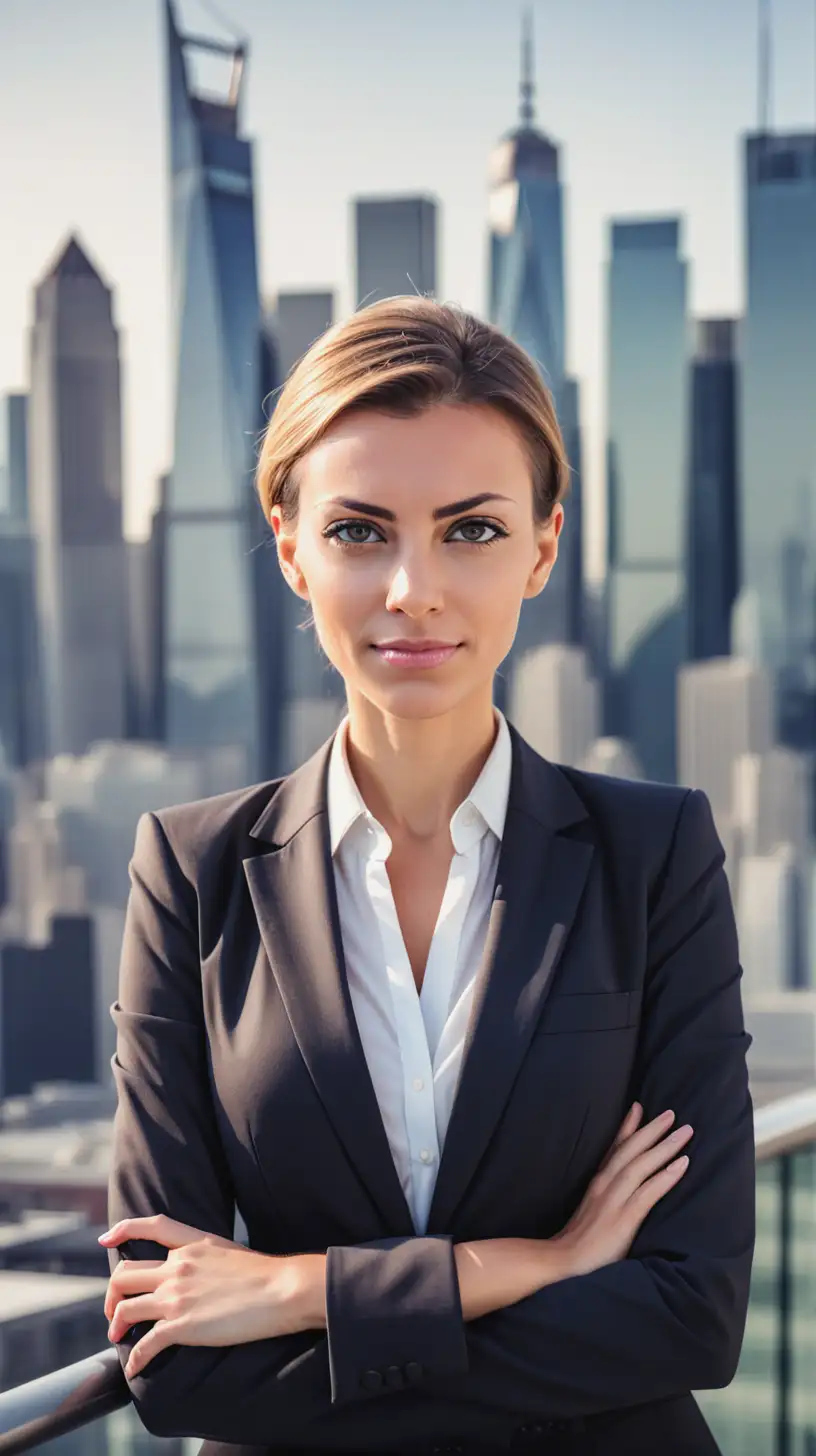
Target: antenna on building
x,y
765,40
527,77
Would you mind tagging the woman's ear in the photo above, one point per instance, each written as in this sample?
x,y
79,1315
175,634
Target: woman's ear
x,y
546,552
286,543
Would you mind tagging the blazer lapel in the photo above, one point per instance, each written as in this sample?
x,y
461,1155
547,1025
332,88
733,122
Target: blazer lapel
x,y
293,892
539,882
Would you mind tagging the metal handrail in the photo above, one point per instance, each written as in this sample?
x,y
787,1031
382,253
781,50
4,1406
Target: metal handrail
x,y
48,1407
42,1409
785,1125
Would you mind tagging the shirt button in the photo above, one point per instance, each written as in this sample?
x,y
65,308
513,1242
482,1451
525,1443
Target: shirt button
x,y
426,1156
418,1084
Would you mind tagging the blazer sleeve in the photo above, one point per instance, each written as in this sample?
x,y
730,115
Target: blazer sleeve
x,y
670,1318
167,1158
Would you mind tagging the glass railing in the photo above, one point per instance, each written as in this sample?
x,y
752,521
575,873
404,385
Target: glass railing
x,y
769,1409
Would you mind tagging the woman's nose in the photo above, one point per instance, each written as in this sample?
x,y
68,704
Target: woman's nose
x,y
415,587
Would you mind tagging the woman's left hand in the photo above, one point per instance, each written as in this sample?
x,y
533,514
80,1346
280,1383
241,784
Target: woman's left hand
x,y
208,1291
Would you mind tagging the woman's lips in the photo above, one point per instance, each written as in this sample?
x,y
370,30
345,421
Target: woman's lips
x,y
430,655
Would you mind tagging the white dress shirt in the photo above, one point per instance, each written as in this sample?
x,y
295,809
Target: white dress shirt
x,y
413,1041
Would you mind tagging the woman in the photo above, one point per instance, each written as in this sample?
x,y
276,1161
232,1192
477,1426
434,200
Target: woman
x,y
439,1017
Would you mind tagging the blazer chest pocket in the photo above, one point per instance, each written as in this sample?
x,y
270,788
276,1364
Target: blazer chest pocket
x,y
586,1011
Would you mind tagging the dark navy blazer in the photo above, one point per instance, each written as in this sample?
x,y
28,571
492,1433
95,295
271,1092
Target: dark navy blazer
x,y
610,972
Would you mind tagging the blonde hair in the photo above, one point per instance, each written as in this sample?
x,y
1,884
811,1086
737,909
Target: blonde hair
x,y
401,356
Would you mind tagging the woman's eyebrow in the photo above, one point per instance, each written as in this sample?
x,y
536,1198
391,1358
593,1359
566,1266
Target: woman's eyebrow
x,y
439,514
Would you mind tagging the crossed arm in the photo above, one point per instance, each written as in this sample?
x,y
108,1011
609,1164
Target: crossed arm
x,y
509,1325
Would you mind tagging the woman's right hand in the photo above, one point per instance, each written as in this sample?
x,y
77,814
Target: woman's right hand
x,y
639,1169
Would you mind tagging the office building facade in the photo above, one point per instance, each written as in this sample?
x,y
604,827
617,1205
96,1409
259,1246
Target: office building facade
x,y
295,319
778,423
556,703
647,432
16,410
57,1046
725,710
75,501
395,247
21,703
712,543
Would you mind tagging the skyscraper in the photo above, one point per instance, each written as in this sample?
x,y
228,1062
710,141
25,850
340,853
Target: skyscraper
x,y
311,695
17,436
394,247
525,213
725,712
647,428
146,585
563,618
778,422
296,318
711,538
526,301
212,690
555,703
75,467
21,706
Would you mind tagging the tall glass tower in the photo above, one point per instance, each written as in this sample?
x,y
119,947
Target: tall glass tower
x,y
647,434
212,689
525,215
777,609
526,235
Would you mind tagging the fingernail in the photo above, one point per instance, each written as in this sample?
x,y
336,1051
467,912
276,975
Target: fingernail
x,y
681,1132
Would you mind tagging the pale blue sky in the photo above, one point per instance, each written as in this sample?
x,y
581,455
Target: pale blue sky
x,y
647,97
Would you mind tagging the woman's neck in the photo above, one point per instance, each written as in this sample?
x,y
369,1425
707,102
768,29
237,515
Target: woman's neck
x,y
414,772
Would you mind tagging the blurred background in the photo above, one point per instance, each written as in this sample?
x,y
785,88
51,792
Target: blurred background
x,y
191,194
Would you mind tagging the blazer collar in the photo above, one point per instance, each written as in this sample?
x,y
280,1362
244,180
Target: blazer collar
x,y
540,879
538,790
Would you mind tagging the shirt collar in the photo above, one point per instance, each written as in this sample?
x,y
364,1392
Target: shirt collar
x,y
484,808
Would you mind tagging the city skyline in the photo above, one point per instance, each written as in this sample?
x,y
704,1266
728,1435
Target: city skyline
x,y
643,70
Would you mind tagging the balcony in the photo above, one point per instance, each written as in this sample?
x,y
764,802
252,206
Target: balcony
x,y
768,1410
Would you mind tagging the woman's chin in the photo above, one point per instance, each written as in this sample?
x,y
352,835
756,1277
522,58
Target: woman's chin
x,y
421,698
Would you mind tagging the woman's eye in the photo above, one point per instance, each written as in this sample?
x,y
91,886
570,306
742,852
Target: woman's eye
x,y
474,530
357,533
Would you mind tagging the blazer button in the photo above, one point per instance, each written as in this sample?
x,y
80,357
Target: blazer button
x,y
394,1377
413,1372
371,1380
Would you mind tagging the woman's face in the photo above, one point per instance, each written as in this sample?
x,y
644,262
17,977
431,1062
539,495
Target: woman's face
x,y
417,532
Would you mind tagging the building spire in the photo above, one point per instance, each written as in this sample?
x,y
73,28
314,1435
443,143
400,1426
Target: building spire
x,y
527,78
765,59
